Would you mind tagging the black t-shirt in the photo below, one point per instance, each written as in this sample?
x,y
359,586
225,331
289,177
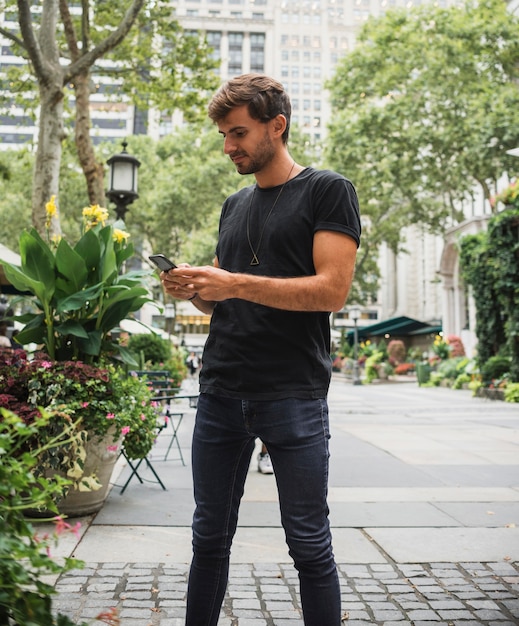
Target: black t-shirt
x,y
256,352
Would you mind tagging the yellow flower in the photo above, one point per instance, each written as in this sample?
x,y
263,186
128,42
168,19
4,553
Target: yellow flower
x,y
50,208
120,236
94,214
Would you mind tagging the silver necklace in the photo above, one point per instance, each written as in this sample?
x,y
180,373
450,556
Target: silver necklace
x,y
255,250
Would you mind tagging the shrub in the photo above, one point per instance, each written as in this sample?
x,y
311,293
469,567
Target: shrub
x,y
494,368
461,380
512,392
396,351
371,368
152,348
449,367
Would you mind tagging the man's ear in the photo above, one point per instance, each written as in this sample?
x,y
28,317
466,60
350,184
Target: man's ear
x,y
279,123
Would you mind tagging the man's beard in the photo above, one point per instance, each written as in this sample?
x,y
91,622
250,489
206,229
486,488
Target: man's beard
x,y
263,155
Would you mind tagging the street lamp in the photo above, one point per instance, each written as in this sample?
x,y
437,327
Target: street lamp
x,y
169,316
123,181
354,315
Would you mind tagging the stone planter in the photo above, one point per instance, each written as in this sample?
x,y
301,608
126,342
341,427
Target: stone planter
x,y
490,394
99,461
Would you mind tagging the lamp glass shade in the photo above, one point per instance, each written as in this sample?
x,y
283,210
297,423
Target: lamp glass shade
x,y
123,176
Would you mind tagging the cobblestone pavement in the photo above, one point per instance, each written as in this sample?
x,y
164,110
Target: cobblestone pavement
x,y
432,594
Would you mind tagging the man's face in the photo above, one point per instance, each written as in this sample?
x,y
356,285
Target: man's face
x,y
247,141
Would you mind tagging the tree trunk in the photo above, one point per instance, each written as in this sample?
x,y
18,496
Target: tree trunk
x,y
48,154
92,169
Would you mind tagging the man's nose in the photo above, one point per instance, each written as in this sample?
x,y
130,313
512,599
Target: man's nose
x,y
229,146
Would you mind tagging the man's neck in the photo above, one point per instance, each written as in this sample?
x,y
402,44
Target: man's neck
x,y
278,171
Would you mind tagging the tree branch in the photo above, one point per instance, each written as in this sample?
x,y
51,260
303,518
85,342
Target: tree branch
x,y
70,33
9,35
113,40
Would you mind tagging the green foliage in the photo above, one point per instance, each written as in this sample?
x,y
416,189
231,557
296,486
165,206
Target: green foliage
x,y
489,265
155,353
424,108
371,366
494,369
80,292
150,348
450,368
98,401
461,379
24,556
512,392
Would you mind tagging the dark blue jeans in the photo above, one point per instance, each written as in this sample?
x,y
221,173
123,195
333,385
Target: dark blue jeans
x,y
296,433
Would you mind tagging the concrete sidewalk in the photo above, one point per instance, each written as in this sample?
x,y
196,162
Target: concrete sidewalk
x,y
424,506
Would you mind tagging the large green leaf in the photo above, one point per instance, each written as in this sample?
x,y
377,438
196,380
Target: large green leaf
x,y
37,260
72,270
32,335
89,249
21,281
91,345
72,327
78,300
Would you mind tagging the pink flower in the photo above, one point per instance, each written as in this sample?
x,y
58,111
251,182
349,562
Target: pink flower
x,y
143,417
46,365
110,416
111,448
85,404
62,526
125,430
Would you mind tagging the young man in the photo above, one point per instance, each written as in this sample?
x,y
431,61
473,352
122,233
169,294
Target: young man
x,y
284,260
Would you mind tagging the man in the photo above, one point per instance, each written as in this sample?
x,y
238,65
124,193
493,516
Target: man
x,y
284,259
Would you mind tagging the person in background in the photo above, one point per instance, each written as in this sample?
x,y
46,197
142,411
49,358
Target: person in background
x,y
264,462
5,342
284,260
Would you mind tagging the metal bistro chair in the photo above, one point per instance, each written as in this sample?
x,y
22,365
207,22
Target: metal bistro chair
x,y
163,394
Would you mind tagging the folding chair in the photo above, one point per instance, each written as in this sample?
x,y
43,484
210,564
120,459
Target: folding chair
x,y
174,418
160,386
165,395
135,472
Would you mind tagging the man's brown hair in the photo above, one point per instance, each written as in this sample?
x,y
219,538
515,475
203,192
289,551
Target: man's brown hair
x,y
265,98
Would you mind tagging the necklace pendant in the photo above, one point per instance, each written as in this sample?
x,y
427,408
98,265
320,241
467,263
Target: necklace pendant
x,y
254,260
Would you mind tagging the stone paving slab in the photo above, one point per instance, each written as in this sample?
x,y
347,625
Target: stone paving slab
x,y
266,594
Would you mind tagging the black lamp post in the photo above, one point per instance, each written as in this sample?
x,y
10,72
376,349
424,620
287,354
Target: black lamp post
x,y
354,315
123,181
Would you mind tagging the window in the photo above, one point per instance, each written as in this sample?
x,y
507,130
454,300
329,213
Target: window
x,y
235,52
214,39
257,52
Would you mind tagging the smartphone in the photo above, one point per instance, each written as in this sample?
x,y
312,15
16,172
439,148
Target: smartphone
x,y
162,262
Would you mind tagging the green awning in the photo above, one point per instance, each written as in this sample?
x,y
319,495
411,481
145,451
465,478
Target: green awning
x,y
396,326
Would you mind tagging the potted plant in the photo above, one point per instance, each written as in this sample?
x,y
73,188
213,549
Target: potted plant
x,y
79,295
109,410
